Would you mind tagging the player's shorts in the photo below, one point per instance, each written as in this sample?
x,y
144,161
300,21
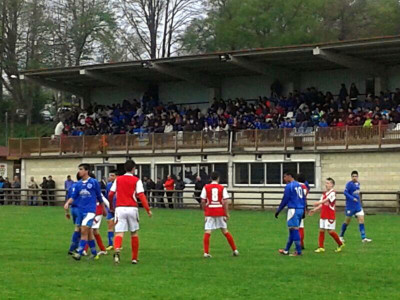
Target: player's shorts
x,y
75,214
97,221
354,212
294,216
327,224
110,215
302,223
126,219
86,219
212,223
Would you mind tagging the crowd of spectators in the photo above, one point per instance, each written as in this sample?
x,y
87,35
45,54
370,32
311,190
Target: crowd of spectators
x,y
310,108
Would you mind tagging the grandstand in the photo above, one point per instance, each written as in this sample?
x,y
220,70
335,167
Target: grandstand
x,y
299,118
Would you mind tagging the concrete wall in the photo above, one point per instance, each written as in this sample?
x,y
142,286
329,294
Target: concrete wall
x,y
249,87
184,92
394,78
10,168
108,96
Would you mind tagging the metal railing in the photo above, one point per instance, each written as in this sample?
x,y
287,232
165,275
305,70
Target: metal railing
x,y
199,142
240,199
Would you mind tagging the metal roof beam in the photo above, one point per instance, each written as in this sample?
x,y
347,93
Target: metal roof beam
x,y
55,85
114,80
351,62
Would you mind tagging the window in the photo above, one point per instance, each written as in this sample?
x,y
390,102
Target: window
x,y
205,171
222,170
162,171
190,174
145,171
242,173
257,173
271,173
177,170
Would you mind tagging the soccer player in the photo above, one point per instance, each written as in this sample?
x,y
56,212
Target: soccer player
x,y
128,189
353,207
87,190
328,218
306,188
293,198
215,202
76,236
96,226
110,215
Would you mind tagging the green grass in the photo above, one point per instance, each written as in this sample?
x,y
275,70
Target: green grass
x,y
34,263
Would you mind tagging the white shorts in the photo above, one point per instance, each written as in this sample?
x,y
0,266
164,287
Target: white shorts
x,y
97,221
302,223
212,223
126,219
327,224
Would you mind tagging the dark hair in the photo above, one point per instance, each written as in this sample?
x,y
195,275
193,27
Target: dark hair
x,y
129,165
91,175
301,178
288,174
113,172
331,180
214,175
86,167
354,173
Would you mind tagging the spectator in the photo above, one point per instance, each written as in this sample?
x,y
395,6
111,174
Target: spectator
x,y
169,185
354,95
343,93
67,184
150,187
179,186
198,187
59,129
160,193
16,186
1,190
6,185
33,193
44,194
51,186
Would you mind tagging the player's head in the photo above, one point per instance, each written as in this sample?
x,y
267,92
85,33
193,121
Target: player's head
x,y
354,176
329,183
112,175
129,166
69,177
215,176
288,177
84,170
301,178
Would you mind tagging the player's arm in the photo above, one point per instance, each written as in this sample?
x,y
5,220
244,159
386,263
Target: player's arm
x,y
111,194
315,209
225,202
142,197
203,197
348,194
284,201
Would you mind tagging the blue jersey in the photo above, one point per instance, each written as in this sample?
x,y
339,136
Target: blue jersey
x,y
87,193
352,191
69,195
293,197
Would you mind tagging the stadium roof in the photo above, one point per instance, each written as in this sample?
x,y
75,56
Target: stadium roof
x,y
372,56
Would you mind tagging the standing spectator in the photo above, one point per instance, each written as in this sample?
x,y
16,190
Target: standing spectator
x,y
1,190
160,193
354,95
343,93
16,186
6,185
198,187
169,185
150,187
51,185
44,195
67,184
59,129
33,193
179,186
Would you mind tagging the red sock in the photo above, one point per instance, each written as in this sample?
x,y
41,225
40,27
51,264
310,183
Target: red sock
x,y
301,231
99,242
336,237
118,242
135,247
86,247
206,243
230,241
321,239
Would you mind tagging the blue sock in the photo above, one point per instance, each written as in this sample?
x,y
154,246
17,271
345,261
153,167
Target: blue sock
x,y
82,244
344,227
110,238
296,239
290,241
362,230
75,241
92,246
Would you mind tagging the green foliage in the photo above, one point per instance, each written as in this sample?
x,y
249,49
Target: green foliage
x,y
35,265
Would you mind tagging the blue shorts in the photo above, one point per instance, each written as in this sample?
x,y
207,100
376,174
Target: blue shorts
x,y
110,215
294,216
82,218
354,212
75,213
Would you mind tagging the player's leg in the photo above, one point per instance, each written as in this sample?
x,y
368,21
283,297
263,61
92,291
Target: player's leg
x,y
294,223
92,244
76,236
133,227
99,242
296,240
121,226
345,224
82,243
321,238
230,240
290,224
361,226
209,226
301,232
110,233
135,246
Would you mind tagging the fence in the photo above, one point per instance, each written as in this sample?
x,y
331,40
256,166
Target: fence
x,y
264,200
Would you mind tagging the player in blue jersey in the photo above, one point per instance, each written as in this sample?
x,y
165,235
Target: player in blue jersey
x,y
110,215
354,207
76,236
294,199
87,192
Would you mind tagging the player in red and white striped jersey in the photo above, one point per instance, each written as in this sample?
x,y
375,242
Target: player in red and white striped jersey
x,y
215,202
328,217
128,189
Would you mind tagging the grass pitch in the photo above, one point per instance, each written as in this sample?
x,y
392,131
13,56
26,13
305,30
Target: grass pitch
x,y
34,263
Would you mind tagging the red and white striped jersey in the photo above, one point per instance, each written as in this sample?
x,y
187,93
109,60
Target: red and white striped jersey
x,y
127,187
328,208
214,194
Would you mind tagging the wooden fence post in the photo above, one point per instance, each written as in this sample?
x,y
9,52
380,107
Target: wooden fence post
x,y
284,139
380,135
347,137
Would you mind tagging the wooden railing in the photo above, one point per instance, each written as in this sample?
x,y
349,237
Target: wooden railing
x,y
199,142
